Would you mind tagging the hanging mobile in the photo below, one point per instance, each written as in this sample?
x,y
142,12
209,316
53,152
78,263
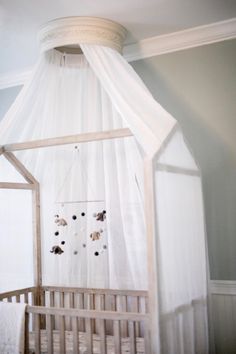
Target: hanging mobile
x,y
85,181
100,216
56,250
61,222
96,235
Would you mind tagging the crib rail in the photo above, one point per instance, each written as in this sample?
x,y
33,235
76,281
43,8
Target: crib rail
x,y
96,299
88,316
26,295
115,318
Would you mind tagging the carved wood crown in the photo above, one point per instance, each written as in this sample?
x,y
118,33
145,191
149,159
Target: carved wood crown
x,y
77,30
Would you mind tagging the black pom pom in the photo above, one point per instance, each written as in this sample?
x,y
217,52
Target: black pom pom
x,y
56,216
96,254
56,233
75,252
83,214
104,211
104,247
84,245
62,242
74,217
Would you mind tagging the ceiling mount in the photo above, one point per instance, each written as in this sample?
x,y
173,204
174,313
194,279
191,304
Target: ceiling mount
x,y
72,31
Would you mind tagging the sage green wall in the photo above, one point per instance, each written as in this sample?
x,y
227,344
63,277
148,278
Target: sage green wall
x,y
198,87
7,97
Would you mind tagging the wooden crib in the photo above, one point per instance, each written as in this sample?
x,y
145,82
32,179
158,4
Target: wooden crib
x,y
76,320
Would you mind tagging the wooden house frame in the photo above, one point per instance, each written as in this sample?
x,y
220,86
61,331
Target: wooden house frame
x,y
149,206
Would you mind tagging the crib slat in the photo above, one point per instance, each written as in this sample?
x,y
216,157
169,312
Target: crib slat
x,y
9,299
62,326
62,335
75,335
102,302
42,299
81,306
51,298
26,298
89,335
71,305
146,338
117,340
146,305
49,334
26,333
102,333
17,298
91,306
61,299
132,338
123,308
135,308
113,303
37,334
52,304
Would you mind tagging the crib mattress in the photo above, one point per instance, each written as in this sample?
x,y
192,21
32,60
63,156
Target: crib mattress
x,y
125,343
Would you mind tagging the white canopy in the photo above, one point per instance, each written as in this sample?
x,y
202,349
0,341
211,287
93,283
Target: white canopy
x,y
95,91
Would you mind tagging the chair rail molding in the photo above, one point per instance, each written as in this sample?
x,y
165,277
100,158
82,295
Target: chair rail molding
x,y
154,46
223,287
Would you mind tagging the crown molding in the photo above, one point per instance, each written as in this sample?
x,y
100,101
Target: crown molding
x,y
14,78
154,46
176,41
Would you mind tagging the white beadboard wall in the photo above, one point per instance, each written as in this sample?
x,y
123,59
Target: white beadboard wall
x,y
223,302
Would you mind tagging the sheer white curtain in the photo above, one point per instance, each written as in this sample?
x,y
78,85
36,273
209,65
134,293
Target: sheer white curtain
x,y
146,118
69,94
65,97
181,247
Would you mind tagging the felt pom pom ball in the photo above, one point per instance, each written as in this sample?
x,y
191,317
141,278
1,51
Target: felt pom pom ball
x,y
96,254
83,214
56,233
75,252
62,242
74,217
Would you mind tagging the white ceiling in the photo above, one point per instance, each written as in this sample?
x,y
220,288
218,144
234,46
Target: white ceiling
x,y
20,20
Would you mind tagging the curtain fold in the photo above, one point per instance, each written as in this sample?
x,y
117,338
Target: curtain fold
x,y
146,118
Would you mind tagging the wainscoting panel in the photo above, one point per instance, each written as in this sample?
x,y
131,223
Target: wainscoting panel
x,y
223,298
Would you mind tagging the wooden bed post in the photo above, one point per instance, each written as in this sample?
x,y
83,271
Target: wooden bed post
x,y
153,295
37,240
33,184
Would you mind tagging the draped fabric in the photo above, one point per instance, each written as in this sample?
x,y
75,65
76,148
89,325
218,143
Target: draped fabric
x,y
64,97
71,94
181,247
